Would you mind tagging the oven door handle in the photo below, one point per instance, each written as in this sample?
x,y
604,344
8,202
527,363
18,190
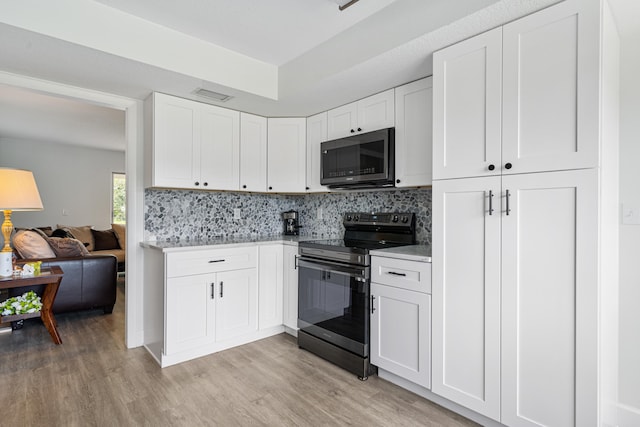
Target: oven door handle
x,y
359,273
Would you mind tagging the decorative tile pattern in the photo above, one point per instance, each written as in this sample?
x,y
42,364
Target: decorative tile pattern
x,y
199,215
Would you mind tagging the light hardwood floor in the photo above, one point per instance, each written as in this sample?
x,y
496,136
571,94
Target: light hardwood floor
x,y
93,380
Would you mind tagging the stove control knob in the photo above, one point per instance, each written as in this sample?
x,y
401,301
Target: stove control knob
x,y
405,219
356,218
395,218
349,217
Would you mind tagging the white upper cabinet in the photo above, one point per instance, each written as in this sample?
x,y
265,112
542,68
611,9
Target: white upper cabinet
x,y
253,153
467,107
520,98
369,114
316,134
286,155
219,148
413,135
550,91
193,145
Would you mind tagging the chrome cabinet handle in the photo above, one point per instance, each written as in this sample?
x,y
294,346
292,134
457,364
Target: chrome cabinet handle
x,y
508,209
396,274
490,202
373,309
213,293
221,289
215,260
295,262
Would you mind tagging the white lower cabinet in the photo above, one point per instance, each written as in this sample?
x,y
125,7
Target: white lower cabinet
x,y
206,308
270,285
200,301
236,305
401,318
291,287
514,285
400,333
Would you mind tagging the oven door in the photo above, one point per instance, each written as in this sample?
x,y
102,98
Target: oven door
x,y
333,303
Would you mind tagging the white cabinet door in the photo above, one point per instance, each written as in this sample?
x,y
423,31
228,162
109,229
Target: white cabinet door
x,y
366,115
550,87
176,142
549,285
414,150
401,332
286,168
376,112
190,312
237,305
467,100
219,159
316,134
342,121
253,153
270,285
466,293
291,287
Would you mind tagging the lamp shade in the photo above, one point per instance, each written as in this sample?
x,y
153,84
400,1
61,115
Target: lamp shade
x,y
18,191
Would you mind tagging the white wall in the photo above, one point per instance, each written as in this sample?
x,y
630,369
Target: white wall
x,y
72,178
629,381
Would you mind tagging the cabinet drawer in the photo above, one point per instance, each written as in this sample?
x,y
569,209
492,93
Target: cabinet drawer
x,y
411,275
210,261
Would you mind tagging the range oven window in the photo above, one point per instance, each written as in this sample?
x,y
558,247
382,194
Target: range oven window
x,y
333,305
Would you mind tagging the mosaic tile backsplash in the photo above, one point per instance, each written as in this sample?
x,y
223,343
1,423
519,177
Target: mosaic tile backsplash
x,y
195,215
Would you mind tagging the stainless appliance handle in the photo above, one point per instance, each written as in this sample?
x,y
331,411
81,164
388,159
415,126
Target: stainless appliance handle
x,y
359,273
490,202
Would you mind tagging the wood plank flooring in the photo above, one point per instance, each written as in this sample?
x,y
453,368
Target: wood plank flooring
x,y
93,380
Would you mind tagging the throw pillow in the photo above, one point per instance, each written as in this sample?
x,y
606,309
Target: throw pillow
x,y
61,232
31,245
46,230
121,234
82,233
67,247
104,240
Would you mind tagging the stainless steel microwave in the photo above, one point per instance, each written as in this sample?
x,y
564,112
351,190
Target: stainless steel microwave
x,y
359,161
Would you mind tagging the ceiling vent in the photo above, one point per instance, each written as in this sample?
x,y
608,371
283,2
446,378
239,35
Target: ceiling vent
x,y
221,97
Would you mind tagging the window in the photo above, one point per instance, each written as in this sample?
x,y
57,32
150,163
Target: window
x,y
119,198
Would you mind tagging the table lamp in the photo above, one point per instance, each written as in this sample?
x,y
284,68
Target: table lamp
x,y
18,192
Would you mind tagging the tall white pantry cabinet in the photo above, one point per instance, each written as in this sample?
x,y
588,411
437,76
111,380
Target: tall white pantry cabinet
x,y
524,210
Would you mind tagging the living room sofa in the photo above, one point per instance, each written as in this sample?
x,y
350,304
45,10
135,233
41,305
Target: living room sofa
x,y
89,282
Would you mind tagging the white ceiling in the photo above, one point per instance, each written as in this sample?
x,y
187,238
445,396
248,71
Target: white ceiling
x,y
323,57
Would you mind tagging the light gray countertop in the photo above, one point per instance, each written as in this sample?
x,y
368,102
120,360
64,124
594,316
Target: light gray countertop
x,y
420,253
229,241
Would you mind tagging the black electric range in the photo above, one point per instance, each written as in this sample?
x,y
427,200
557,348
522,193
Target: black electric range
x,y
333,287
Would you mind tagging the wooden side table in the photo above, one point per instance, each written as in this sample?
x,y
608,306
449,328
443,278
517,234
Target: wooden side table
x,y
50,277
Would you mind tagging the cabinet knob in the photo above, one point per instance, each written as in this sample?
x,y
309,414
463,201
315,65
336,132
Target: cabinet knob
x,y
206,184
508,166
306,188
197,183
353,131
270,188
491,167
359,129
244,186
397,181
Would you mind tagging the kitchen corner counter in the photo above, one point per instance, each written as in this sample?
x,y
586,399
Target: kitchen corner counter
x,y
420,253
228,241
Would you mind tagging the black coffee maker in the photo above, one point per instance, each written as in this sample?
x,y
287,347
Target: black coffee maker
x,y
290,220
